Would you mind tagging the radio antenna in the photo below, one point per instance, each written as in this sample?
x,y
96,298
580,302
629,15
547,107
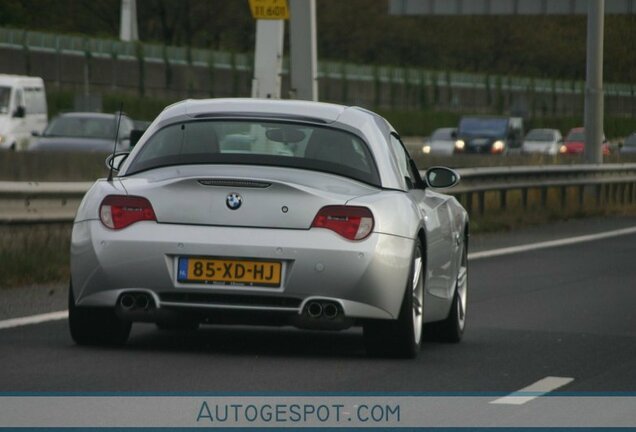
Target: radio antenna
x,y
110,171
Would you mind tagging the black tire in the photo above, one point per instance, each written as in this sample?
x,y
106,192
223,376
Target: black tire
x,y
452,328
398,338
96,325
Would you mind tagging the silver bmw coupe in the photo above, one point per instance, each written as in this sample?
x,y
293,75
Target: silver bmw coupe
x,y
247,211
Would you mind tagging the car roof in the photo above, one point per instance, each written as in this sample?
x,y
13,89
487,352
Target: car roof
x,y
311,111
90,115
6,79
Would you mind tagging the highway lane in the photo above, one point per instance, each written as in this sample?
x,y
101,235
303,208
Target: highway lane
x,y
564,312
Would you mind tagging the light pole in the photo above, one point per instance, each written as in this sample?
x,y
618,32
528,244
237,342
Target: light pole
x,y
594,83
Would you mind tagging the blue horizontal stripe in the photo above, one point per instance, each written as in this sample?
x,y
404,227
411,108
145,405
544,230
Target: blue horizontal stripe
x,y
316,394
435,429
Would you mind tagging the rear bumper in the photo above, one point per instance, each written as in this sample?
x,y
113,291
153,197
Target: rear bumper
x,y
486,149
365,278
531,149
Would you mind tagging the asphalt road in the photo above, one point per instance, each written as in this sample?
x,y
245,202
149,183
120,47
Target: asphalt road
x,y
566,312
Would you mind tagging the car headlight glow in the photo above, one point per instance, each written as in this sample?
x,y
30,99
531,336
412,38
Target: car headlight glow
x,y
459,145
426,149
498,146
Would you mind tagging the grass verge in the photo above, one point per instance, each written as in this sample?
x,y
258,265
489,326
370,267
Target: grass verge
x,y
34,254
515,215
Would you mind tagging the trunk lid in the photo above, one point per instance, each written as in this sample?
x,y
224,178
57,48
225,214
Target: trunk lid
x,y
269,197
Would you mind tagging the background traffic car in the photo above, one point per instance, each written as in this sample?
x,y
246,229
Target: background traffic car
x,y
575,142
547,141
441,142
210,221
489,135
629,146
84,132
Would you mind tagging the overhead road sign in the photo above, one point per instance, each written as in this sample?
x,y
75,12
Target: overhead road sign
x,y
269,9
505,7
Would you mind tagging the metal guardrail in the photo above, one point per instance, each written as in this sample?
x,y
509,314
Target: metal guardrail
x,y
40,202
598,185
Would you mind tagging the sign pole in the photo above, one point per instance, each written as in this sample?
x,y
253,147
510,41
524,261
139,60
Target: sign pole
x,y
128,21
270,16
303,50
594,83
268,59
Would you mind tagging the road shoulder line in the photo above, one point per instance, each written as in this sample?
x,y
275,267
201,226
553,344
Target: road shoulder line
x,y
33,319
549,244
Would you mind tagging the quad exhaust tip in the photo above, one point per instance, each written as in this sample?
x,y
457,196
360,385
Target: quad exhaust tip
x,y
135,301
314,309
127,301
142,301
330,310
326,309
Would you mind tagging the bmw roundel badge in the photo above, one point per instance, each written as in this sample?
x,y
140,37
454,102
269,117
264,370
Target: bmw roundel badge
x,y
233,201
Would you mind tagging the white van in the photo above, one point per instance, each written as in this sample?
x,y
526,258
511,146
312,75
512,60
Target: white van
x,y
23,110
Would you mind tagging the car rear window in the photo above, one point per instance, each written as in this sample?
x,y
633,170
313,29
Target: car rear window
x,y
576,136
442,134
483,126
257,142
540,135
82,127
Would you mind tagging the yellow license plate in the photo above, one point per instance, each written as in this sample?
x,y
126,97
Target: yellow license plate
x,y
229,271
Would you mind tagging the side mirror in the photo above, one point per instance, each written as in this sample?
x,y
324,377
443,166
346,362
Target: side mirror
x,y
35,133
19,112
135,136
441,177
454,134
115,161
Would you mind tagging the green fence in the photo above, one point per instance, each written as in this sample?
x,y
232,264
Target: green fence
x,y
40,41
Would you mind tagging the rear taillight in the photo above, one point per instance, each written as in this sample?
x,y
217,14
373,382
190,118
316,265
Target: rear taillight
x,y
119,211
353,223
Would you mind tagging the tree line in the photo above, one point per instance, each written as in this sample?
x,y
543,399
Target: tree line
x,y
358,31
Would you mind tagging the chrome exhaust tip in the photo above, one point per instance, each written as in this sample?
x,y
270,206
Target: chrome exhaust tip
x,y
330,310
127,301
314,309
142,301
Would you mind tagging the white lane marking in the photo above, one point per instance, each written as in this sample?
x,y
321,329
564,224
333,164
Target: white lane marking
x,y
548,244
33,319
541,387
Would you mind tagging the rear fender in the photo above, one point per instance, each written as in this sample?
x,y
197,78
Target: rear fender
x,y
89,207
